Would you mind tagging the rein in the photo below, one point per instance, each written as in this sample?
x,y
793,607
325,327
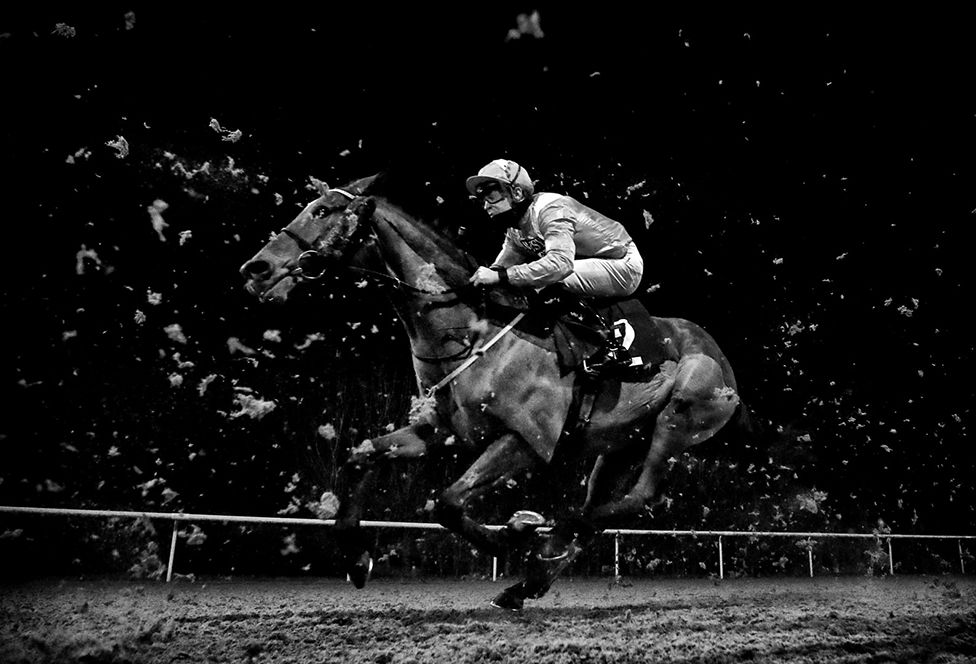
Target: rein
x,y
460,355
310,253
476,355
400,283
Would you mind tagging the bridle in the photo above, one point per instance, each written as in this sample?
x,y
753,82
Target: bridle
x,y
470,354
300,270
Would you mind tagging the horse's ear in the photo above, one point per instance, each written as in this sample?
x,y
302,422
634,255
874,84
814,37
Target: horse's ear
x,y
361,208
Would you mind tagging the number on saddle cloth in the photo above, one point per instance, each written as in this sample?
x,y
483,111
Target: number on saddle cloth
x,y
578,329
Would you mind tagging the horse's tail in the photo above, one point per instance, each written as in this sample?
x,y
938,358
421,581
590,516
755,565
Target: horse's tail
x,y
744,435
745,425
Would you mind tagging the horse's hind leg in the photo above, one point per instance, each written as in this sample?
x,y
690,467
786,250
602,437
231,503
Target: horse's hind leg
x,y
700,405
677,427
577,526
504,459
569,536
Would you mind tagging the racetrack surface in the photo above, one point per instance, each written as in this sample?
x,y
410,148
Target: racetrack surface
x,y
924,619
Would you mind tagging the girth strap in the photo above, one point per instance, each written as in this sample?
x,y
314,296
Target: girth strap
x,y
585,392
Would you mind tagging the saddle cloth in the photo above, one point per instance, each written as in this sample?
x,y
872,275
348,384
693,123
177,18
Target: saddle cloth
x,y
636,327
550,323
576,340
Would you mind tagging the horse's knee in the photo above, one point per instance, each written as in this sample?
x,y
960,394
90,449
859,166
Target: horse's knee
x,y
449,509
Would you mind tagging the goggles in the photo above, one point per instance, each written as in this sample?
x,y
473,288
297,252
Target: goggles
x,y
489,193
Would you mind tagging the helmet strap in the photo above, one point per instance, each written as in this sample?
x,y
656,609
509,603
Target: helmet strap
x,y
511,217
520,207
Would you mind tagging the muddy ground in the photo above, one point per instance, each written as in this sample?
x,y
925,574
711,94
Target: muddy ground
x,y
924,619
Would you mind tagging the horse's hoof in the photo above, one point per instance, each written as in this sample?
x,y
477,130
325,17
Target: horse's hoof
x,y
360,572
508,601
525,520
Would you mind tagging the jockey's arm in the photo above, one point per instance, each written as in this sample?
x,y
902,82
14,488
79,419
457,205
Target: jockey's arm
x,y
556,262
509,255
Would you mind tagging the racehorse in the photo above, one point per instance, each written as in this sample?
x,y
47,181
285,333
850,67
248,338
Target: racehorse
x,y
500,387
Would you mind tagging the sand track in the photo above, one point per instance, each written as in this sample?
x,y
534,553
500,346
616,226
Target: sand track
x,y
392,621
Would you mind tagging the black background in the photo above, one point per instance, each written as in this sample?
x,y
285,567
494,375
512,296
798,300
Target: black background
x,y
809,177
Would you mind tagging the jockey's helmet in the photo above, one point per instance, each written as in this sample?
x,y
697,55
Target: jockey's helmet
x,y
504,171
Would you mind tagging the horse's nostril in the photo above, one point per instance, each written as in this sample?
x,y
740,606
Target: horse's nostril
x,y
254,269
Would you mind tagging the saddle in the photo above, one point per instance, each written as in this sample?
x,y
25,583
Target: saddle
x,y
574,327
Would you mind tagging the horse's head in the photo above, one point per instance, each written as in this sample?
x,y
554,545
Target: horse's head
x,y
328,230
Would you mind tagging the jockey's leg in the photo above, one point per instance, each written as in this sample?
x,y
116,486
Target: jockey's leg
x,y
505,459
606,277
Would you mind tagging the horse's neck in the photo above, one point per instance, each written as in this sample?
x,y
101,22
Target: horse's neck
x,y
412,255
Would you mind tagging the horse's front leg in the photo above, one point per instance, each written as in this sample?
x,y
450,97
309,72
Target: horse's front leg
x,y
357,476
505,459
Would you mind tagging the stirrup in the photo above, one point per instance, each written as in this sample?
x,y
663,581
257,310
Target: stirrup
x,y
614,359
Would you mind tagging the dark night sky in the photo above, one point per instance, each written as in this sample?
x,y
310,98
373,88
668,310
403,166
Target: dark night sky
x,y
810,178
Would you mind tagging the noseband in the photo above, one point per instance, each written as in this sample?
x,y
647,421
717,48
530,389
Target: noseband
x,y
310,256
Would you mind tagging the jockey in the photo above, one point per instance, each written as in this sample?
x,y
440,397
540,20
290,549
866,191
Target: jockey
x,y
551,238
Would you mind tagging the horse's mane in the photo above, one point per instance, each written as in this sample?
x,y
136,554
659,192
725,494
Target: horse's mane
x,y
418,207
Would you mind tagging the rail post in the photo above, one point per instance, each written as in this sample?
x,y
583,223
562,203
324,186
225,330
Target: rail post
x,y
810,558
721,559
891,559
494,568
962,560
172,551
616,556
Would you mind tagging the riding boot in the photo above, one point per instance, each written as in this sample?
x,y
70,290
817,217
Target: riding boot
x,y
582,317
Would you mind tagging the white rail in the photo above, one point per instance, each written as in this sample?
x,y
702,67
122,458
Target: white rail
x,y
177,517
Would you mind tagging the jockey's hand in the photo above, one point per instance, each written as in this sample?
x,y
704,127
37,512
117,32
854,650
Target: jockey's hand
x,y
484,277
